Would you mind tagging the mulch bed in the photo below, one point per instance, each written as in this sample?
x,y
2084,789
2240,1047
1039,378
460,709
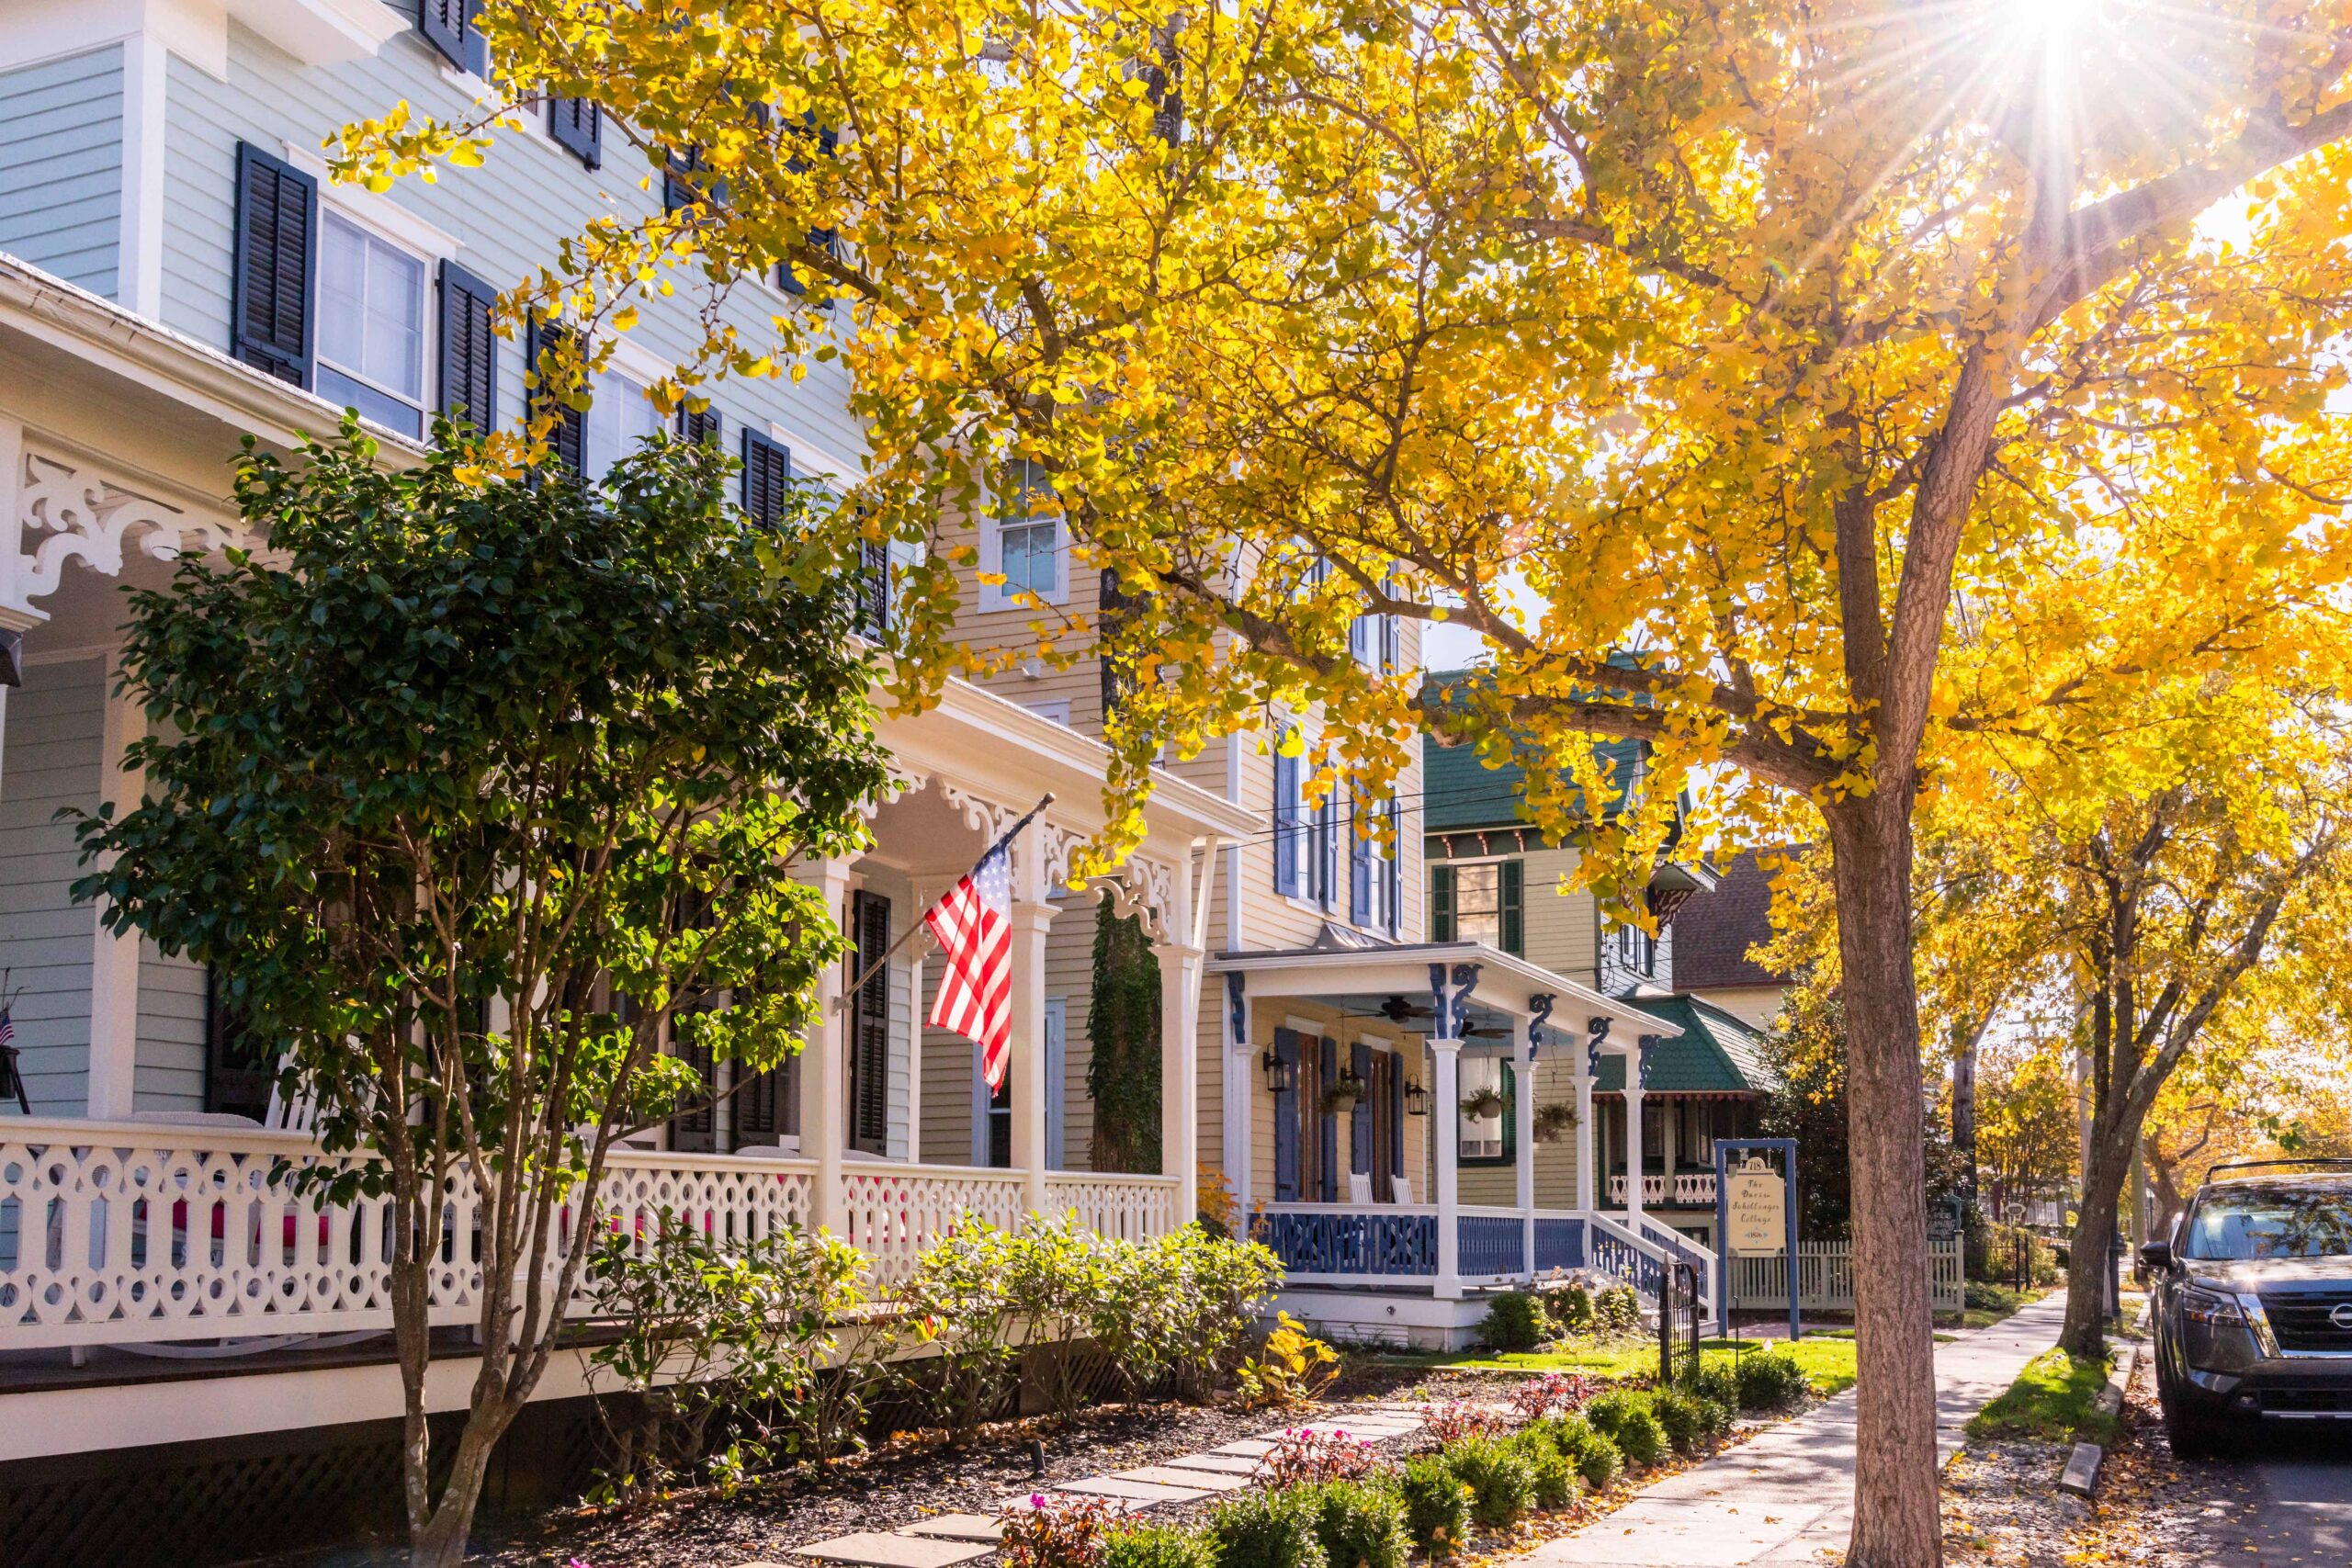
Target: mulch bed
x,y
913,1477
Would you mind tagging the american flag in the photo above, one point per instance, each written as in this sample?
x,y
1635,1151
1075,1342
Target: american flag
x,y
974,925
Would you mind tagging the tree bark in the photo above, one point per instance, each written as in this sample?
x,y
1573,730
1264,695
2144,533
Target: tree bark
x,y
1896,1505
1964,1115
440,1541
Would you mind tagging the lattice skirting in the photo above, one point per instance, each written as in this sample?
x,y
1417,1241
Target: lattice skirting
x,y
196,1505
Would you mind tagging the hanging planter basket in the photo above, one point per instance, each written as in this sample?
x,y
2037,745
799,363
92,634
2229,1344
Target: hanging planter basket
x,y
1485,1103
1555,1122
1340,1097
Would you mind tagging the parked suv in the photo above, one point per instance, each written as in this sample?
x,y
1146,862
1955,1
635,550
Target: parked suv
x,y
2253,1300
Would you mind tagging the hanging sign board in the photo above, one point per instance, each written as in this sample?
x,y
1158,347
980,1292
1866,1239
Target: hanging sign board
x,y
1756,1200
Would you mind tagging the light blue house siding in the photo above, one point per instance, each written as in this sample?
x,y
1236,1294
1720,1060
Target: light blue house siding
x,y
508,215
51,763
61,166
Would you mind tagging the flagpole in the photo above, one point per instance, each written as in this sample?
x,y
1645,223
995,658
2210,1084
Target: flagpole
x,y
919,922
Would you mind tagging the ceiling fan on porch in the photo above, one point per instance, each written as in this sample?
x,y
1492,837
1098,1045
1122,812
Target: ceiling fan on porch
x,y
1396,1009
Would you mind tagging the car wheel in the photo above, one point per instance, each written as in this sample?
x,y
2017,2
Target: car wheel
x,y
2192,1433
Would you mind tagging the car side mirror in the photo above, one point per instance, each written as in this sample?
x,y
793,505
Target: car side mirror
x,y
2156,1255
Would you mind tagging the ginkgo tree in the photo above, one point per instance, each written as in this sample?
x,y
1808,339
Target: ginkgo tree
x,y
1719,363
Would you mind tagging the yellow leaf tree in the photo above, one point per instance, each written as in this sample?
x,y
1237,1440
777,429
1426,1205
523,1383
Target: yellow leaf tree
x,y
1719,363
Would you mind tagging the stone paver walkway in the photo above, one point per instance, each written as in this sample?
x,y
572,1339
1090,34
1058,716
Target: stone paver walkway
x,y
946,1540
1786,1495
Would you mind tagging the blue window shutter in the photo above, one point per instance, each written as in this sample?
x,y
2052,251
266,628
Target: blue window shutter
x,y
1392,869
1286,822
1395,1112
469,348
577,125
274,284
568,442
1391,654
1326,841
1286,1122
1360,1121
1360,870
1328,1125
448,25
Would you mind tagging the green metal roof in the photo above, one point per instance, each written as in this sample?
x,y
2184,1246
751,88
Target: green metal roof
x,y
1716,1052
1462,792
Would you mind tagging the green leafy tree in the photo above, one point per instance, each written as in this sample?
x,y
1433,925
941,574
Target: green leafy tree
x,y
1123,1024
476,792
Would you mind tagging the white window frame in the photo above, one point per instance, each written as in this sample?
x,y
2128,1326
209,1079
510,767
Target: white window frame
x,y
1057,711
427,402
1482,862
1001,596
1487,1148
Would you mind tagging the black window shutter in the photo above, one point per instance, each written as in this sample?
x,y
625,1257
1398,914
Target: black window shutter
x,y
1440,903
1391,657
755,1108
696,1131
273,289
678,167
874,589
578,126
767,479
568,442
1286,1128
469,348
701,425
448,25
870,1025
1507,898
1326,852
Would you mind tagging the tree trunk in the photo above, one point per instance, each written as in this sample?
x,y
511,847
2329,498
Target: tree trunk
x,y
1897,1504
1964,1116
440,1541
2107,1160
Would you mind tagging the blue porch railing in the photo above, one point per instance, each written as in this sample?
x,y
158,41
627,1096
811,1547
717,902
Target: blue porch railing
x,y
1613,1255
1559,1244
1366,1242
1491,1244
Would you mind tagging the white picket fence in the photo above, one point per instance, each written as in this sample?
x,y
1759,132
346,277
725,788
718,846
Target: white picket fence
x,y
1825,1277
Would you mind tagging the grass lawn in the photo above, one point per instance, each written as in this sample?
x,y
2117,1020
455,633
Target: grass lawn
x,y
2052,1398
1828,1364
1999,1301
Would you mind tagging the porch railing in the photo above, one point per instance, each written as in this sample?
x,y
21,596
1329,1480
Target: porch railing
x,y
1825,1277
1324,1243
128,1231
1684,1188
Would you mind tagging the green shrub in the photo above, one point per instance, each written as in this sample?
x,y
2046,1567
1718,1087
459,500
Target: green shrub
x,y
1715,1417
1570,1309
1641,1438
1360,1523
1154,1546
1678,1414
1771,1380
1268,1530
1500,1480
1718,1380
1556,1480
1437,1505
1608,1412
1616,1310
1515,1321
1600,1461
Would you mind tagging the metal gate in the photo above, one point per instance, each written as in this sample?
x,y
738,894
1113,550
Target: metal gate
x,y
1678,1311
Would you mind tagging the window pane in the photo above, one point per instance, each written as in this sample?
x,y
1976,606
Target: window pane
x,y
381,407
395,321
1482,1135
1028,562
343,294
1477,890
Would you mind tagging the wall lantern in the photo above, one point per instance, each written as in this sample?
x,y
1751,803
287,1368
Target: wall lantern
x,y
1282,1076
1417,1099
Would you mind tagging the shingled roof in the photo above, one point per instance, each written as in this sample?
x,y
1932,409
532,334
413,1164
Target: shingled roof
x,y
1462,793
1713,931
1717,1053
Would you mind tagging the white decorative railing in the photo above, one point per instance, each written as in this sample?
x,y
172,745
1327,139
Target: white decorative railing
x,y
1825,1277
1675,1244
893,1213
128,1233
1128,1208
1685,1187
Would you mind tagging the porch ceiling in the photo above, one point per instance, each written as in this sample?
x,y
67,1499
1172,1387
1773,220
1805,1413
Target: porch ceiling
x,y
1362,980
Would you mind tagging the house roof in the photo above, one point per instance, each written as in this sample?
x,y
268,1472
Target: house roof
x,y
1461,792
1717,1053
1714,928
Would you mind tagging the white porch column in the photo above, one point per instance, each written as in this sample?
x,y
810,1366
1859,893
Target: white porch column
x,y
1240,1087
824,1067
1588,1134
1522,1062
113,959
1180,1082
1633,1135
1445,1112
1032,916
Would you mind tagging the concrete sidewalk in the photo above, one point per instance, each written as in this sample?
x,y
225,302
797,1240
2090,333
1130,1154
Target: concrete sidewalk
x,y
1787,1495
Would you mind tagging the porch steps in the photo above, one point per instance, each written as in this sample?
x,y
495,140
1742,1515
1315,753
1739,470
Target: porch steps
x,y
948,1540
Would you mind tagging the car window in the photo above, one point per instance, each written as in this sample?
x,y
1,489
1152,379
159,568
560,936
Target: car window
x,y
2239,1226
